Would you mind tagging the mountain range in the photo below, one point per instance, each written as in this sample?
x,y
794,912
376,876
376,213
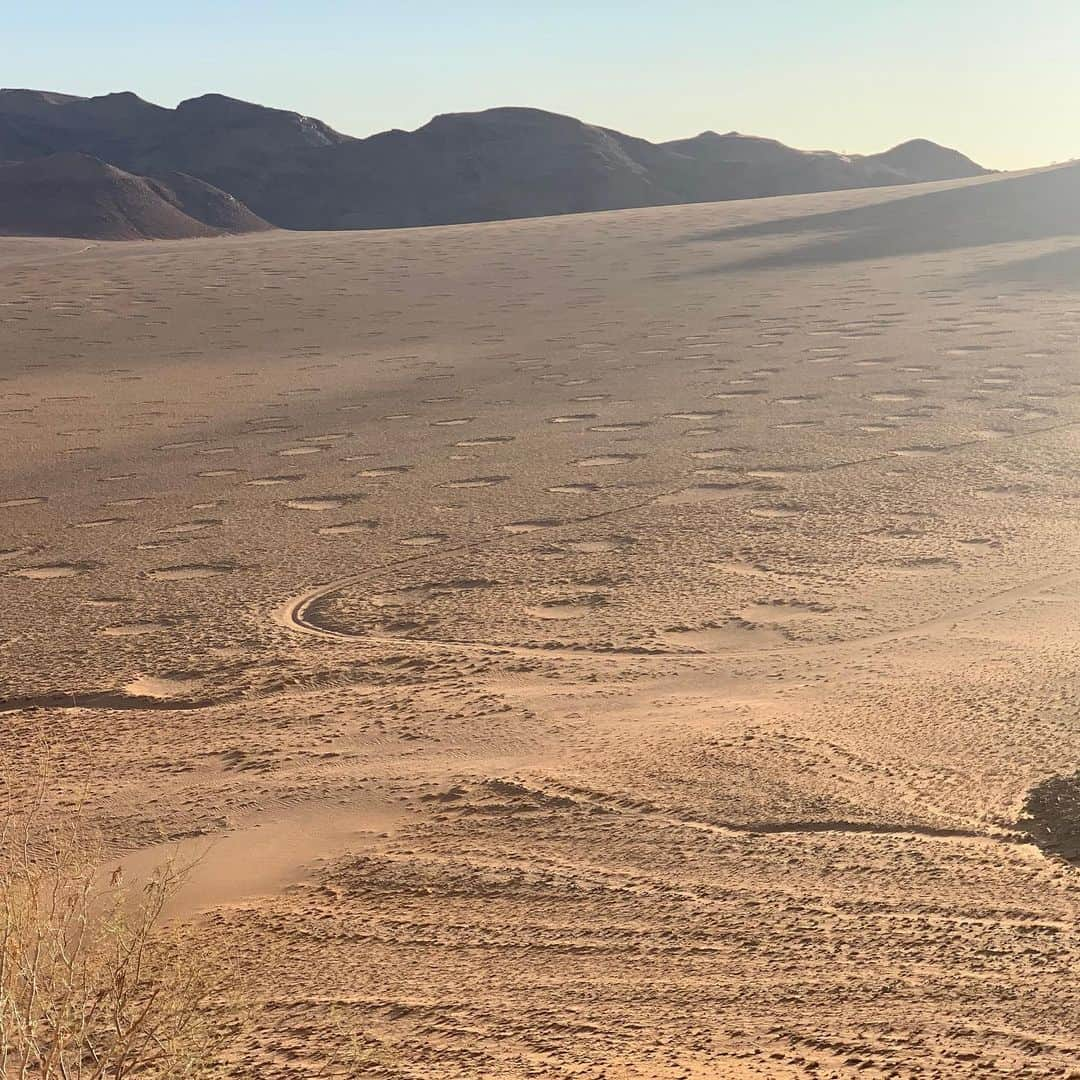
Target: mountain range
x,y
116,166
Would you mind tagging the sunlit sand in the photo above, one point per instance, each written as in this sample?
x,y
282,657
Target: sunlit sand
x,y
640,644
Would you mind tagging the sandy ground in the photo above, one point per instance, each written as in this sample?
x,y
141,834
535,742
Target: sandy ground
x,y
609,646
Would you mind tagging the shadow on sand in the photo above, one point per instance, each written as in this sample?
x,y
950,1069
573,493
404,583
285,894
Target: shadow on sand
x,y
1033,206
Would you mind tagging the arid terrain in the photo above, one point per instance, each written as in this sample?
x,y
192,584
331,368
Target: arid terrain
x,y
634,645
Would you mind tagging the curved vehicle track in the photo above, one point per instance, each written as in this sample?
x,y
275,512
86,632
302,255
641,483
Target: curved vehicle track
x,y
295,614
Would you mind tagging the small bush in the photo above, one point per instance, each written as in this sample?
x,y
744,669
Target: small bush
x,y
93,984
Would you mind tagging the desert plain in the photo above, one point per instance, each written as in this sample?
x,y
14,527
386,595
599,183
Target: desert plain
x,y
628,645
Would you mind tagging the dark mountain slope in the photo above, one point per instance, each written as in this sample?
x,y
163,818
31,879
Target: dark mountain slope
x,y
767,167
509,162
72,194
926,160
503,163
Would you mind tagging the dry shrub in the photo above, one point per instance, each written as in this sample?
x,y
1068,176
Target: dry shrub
x,y
94,985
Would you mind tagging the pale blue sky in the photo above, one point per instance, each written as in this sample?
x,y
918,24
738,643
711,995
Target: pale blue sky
x,y
999,79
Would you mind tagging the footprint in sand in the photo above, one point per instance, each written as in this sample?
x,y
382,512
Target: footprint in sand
x,y
48,571
180,445
273,481
734,635
319,503
777,472
477,482
98,523
574,608
384,470
149,686
190,572
488,440
32,501
918,451
714,453
781,611
423,539
606,459
329,437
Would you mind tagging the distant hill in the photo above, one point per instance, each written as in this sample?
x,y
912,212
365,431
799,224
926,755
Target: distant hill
x,y
72,194
297,172
926,159
502,163
513,162
754,166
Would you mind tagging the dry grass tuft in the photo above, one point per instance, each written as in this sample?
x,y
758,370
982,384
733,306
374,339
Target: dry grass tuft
x,y
93,984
